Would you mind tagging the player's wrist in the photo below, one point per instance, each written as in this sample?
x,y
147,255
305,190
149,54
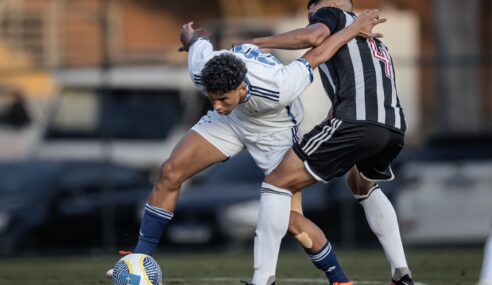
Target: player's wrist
x,y
306,60
355,29
197,35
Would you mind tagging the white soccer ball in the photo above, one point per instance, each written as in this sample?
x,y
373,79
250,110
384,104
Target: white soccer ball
x,y
137,269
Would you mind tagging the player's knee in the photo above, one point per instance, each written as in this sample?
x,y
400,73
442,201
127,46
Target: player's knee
x,y
357,184
352,182
171,175
273,179
282,181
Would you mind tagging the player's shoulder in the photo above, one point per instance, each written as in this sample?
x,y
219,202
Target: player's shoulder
x,y
255,57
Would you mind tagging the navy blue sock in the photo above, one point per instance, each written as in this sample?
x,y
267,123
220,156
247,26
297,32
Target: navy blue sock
x,y
326,260
153,223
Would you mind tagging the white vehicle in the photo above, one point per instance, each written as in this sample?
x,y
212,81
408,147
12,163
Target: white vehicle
x,y
446,194
132,116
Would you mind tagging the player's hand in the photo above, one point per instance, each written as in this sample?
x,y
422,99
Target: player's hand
x,y
366,21
188,36
185,36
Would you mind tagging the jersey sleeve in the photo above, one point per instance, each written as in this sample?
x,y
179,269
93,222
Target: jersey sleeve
x,y
329,17
199,54
295,78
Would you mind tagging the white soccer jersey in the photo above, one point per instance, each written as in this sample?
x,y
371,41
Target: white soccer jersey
x,y
273,88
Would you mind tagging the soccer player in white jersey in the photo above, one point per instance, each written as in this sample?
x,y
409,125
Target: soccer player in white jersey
x,y
256,106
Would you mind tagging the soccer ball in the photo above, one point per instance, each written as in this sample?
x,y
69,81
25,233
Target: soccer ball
x,y
137,269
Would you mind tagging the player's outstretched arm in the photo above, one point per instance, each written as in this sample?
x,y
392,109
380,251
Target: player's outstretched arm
x,y
307,37
362,26
199,52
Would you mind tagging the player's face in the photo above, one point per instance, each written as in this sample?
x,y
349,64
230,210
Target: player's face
x,y
226,102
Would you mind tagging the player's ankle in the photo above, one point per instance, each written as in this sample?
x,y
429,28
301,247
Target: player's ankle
x,y
401,272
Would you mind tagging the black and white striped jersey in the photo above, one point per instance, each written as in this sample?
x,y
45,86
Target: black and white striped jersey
x,y
360,77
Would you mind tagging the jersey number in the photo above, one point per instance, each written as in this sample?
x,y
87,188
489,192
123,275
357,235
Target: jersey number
x,y
382,55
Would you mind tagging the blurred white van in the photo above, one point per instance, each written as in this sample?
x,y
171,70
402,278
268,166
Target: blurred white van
x,y
128,115
446,192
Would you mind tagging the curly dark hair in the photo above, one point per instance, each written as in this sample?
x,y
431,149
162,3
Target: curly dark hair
x,y
223,73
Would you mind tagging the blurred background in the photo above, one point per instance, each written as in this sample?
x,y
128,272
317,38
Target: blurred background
x,y
94,96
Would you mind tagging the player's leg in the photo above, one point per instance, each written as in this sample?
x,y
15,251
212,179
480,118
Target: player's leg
x,y
486,274
192,154
380,213
308,234
334,147
269,151
319,156
273,216
293,174
210,141
314,242
382,220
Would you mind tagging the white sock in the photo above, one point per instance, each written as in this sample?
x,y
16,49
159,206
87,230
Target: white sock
x,y
382,220
272,225
486,275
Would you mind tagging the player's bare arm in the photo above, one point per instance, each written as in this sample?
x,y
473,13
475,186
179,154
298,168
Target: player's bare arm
x,y
302,38
363,25
310,36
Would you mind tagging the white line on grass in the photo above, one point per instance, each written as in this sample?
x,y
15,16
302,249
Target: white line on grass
x,y
281,281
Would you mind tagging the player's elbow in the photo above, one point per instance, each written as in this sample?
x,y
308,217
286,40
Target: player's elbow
x,y
316,36
312,40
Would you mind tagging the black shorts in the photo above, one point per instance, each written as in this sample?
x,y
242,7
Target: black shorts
x,y
333,147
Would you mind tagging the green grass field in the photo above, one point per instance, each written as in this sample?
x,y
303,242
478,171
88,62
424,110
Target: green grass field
x,y
436,267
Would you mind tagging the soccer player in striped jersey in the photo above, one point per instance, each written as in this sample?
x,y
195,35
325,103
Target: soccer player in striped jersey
x,y
364,135
257,107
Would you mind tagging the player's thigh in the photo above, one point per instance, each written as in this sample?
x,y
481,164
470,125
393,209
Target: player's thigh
x,y
268,149
211,140
191,155
333,147
290,174
377,167
220,132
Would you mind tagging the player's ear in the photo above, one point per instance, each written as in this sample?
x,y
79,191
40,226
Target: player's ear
x,y
243,89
